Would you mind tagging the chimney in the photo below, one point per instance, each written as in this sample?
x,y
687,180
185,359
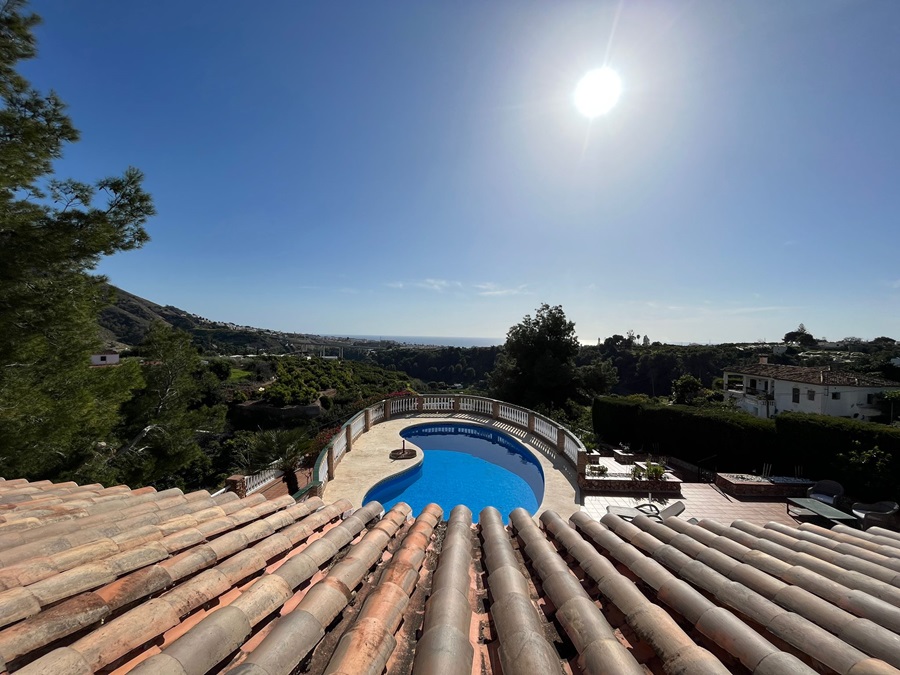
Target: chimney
x,y
764,359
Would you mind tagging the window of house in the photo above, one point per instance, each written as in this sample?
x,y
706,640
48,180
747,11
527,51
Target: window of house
x,y
766,385
103,358
835,395
811,394
795,395
870,399
753,384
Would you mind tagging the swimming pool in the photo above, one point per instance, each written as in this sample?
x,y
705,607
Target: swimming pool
x,y
465,464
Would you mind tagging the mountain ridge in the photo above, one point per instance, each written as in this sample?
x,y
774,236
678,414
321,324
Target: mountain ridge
x,y
125,322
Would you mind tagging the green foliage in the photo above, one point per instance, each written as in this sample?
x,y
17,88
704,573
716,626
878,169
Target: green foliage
x,y
299,381
637,472
863,456
685,389
651,369
165,421
735,440
55,411
598,470
872,469
537,365
801,336
239,374
834,447
655,471
221,368
452,365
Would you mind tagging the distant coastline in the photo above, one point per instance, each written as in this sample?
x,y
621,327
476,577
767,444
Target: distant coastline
x,y
413,340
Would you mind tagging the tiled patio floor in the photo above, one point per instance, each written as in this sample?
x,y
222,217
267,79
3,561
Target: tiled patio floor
x,y
701,500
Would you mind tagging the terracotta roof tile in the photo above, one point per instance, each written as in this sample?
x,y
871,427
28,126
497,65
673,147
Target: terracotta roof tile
x,y
195,584
813,375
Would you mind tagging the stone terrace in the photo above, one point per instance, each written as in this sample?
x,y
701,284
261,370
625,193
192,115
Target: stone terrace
x,y
98,579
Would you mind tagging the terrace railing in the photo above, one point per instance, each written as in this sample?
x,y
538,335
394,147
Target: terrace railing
x,y
559,439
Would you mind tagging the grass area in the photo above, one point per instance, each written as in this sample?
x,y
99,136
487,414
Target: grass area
x,y
237,375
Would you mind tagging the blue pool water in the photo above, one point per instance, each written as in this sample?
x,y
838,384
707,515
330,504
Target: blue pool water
x,y
465,464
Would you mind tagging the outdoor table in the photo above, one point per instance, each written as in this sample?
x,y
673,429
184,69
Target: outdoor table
x,y
810,505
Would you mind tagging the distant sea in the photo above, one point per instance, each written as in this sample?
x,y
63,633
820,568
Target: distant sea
x,y
439,341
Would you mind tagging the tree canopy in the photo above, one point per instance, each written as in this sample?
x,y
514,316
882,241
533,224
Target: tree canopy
x,y
54,408
537,366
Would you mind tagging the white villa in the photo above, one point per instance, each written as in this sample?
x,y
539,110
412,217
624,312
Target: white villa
x,y
764,389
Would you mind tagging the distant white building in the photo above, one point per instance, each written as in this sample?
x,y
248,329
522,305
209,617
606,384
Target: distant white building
x,y
107,358
764,389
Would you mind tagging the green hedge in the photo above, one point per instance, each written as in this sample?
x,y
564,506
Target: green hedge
x,y
825,447
845,450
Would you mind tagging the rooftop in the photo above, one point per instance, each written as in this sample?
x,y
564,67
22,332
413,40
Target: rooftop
x,y
117,580
812,375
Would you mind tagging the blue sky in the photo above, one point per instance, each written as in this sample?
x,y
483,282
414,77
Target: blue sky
x,y
412,168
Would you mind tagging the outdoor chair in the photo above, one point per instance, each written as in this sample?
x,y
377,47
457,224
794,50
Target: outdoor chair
x,y
826,491
649,510
880,514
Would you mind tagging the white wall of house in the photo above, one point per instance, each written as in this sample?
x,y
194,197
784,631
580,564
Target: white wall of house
x,y
752,393
835,400
104,359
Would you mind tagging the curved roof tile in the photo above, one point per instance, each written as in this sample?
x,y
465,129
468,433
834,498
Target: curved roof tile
x,y
188,583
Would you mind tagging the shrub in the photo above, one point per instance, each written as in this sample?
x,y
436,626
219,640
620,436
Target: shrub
x,y
655,471
598,470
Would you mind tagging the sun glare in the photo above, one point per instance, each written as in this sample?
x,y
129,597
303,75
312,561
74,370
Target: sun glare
x,y
597,92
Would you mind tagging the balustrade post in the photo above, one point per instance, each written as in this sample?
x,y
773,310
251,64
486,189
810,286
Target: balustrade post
x,y
495,409
456,404
348,432
420,403
331,462
368,415
387,410
560,441
530,421
237,484
582,463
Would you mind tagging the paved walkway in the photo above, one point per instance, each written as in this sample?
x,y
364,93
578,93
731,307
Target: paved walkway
x,y
701,500
369,463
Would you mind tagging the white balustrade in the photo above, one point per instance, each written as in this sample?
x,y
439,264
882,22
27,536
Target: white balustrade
x,y
358,425
510,413
376,413
339,445
571,448
259,480
545,429
402,405
437,403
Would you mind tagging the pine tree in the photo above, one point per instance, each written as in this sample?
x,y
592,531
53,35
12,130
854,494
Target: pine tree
x,y
54,408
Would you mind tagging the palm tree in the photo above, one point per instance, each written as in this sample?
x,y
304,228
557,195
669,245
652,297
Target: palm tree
x,y
282,449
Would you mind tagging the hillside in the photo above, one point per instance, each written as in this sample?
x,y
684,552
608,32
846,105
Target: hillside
x,y
126,320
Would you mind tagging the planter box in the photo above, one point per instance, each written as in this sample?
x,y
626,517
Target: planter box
x,y
741,485
619,485
623,457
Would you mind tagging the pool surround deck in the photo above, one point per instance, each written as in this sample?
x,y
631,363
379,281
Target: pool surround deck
x,y
368,462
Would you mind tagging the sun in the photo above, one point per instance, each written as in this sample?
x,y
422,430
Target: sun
x,y
597,92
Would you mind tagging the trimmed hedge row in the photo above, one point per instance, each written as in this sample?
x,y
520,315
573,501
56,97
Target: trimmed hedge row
x,y
825,447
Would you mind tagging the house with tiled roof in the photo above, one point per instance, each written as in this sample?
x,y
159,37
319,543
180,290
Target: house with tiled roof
x,y
764,389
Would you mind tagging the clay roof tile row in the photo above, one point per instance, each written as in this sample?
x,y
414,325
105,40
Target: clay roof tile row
x,y
256,587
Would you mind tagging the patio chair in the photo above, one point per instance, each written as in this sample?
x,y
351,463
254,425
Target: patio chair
x,y
826,491
649,510
880,514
